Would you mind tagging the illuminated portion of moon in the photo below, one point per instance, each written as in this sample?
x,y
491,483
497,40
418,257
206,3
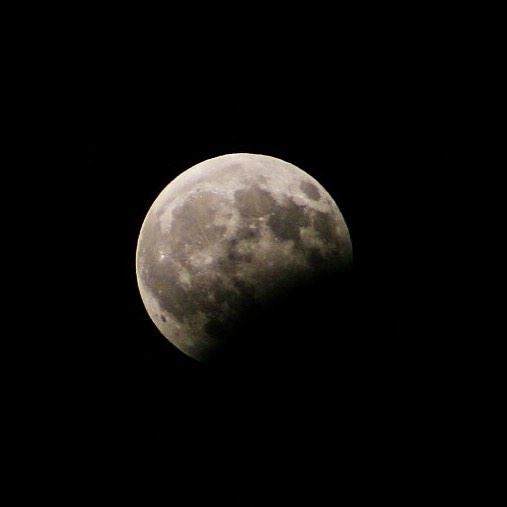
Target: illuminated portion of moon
x,y
228,233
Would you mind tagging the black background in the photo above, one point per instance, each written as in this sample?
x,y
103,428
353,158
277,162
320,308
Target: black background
x,y
383,407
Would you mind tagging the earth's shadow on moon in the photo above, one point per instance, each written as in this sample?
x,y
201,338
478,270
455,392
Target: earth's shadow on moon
x,y
305,328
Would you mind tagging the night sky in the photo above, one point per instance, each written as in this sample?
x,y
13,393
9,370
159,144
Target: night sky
x,y
380,404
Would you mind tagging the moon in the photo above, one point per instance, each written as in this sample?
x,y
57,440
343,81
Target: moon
x,y
228,236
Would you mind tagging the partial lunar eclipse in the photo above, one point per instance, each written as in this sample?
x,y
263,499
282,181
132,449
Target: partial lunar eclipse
x,y
230,233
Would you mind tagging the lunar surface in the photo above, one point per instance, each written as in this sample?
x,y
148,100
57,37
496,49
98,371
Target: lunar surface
x,y
229,235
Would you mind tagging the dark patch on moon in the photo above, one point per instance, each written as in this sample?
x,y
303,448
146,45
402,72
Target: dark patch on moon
x,y
236,257
253,202
183,303
286,221
248,231
163,318
311,191
315,258
325,225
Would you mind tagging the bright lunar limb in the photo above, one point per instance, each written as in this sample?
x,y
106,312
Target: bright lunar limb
x,y
230,234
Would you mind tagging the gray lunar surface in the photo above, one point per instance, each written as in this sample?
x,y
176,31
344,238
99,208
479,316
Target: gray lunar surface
x,y
228,233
